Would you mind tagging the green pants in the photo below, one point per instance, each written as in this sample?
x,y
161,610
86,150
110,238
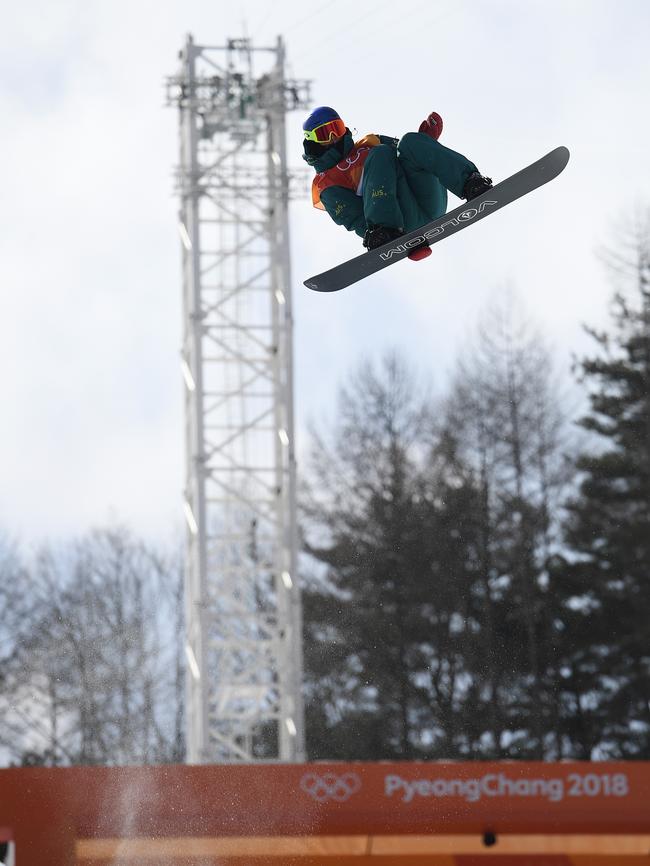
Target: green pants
x,y
407,187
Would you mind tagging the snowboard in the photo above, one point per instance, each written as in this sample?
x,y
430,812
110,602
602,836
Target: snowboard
x,y
509,190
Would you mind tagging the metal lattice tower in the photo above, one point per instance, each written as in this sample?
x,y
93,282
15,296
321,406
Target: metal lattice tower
x,y
242,597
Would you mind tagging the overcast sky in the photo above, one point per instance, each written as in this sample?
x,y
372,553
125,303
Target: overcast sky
x,y
91,416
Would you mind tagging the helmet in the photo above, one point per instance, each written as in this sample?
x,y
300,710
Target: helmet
x,y
323,125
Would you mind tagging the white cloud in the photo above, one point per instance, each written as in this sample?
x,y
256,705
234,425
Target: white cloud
x,y
89,264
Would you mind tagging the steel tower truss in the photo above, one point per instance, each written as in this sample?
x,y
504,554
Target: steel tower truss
x,y
242,598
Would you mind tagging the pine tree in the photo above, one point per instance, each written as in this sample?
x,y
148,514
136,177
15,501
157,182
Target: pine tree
x,y
607,659
388,615
505,413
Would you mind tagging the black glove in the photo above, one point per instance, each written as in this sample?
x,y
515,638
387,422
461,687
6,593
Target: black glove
x,y
377,236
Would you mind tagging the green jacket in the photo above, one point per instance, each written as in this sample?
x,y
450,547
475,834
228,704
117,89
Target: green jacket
x,y
343,205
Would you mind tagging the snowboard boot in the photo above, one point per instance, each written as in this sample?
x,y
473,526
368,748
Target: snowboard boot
x,y
377,236
475,185
432,126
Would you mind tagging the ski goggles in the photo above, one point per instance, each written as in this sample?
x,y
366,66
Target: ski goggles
x,y
324,133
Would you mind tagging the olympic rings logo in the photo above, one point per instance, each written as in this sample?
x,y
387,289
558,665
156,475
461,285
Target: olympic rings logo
x,y
350,162
329,786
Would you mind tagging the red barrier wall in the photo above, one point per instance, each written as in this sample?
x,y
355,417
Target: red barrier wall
x,y
49,810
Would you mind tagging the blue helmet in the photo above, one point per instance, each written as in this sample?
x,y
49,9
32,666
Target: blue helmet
x,y
319,116
327,123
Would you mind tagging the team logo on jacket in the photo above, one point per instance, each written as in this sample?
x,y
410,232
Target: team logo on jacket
x,y
329,786
434,232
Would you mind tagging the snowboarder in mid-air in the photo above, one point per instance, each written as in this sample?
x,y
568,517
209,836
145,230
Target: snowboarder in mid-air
x,y
382,187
